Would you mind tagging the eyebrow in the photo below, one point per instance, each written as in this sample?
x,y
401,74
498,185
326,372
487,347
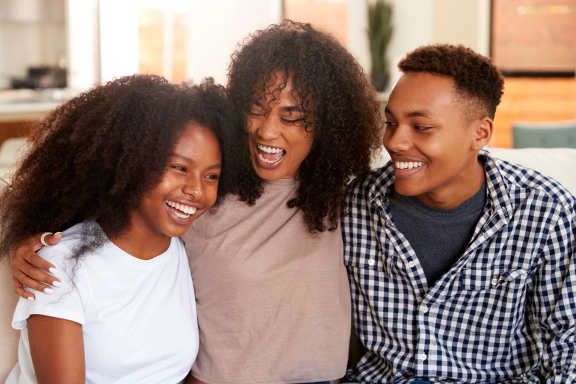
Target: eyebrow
x,y
416,113
290,108
214,166
293,108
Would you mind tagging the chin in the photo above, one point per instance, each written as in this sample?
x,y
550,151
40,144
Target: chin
x,y
406,190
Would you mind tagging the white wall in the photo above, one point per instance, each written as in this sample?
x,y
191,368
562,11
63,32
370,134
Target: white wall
x,y
422,22
463,22
32,33
215,28
83,44
118,38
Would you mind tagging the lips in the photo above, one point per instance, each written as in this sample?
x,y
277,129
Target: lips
x,y
404,167
180,212
269,157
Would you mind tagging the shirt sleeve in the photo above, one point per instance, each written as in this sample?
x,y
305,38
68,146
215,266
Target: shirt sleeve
x,y
554,302
65,302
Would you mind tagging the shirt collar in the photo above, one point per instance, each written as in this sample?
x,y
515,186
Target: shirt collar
x,y
497,187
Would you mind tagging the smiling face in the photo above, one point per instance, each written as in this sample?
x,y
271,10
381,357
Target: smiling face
x,y
188,188
279,141
433,149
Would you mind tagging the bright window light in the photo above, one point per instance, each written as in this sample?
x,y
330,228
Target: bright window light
x,y
180,6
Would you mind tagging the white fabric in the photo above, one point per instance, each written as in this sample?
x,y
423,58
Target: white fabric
x,y
138,316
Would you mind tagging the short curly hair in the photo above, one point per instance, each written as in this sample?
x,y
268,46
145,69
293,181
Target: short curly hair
x,y
346,113
97,155
479,84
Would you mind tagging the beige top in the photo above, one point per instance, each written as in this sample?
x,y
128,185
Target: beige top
x,y
273,302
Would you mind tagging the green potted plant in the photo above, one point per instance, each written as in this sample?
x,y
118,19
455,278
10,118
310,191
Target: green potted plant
x,y
379,34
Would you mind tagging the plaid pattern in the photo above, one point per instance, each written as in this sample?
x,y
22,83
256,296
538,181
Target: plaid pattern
x,y
507,308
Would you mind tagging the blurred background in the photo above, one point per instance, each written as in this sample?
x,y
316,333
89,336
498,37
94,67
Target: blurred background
x,y
53,49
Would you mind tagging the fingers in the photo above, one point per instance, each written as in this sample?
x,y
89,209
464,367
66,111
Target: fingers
x,y
51,239
29,267
22,279
20,291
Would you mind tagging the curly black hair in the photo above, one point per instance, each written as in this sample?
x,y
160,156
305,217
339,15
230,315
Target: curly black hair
x,y
346,114
97,155
479,84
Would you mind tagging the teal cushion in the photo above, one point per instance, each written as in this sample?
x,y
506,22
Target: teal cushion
x,y
545,135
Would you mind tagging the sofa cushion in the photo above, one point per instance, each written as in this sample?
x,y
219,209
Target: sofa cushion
x,y
8,336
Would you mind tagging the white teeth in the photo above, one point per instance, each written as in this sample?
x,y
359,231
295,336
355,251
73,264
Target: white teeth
x,y
185,210
181,215
270,161
269,149
407,165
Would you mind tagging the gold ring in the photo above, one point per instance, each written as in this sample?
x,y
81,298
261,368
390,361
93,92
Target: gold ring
x,y
43,237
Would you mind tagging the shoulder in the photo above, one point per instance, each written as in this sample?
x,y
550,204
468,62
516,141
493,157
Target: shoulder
x,y
523,181
60,253
376,182
71,237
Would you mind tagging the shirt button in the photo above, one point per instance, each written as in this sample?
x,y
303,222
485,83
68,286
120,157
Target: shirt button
x,y
494,281
371,262
424,309
422,356
411,264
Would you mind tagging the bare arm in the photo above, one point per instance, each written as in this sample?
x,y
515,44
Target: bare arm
x,y
57,349
192,380
26,265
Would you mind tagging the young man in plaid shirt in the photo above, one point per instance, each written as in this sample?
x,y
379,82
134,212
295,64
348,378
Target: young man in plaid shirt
x,y
461,265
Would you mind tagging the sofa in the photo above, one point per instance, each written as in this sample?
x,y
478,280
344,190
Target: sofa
x,y
558,163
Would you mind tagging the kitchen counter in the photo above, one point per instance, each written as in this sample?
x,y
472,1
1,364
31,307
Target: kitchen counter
x,y
28,104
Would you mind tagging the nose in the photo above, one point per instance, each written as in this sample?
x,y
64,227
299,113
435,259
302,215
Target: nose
x,y
397,139
267,127
194,186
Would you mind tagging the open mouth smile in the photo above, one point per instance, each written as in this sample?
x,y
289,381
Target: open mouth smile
x,y
270,157
407,164
180,210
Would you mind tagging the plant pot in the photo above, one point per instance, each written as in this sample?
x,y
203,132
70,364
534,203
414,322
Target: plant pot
x,y
380,80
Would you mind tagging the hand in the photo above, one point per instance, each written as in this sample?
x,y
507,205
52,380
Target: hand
x,y
26,265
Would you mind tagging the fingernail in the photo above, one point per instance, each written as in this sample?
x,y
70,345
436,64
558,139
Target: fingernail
x,y
57,284
57,233
53,270
48,291
30,298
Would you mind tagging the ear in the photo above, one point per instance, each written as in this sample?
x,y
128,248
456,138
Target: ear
x,y
483,129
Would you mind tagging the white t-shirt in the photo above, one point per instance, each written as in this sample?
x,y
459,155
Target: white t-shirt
x,y
138,316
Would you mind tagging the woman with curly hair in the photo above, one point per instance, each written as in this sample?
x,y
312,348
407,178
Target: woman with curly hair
x,y
123,169
271,288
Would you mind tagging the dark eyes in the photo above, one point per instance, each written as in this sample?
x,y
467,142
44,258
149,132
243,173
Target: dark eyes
x,y
416,127
180,168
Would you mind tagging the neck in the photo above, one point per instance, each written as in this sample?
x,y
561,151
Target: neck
x,y
455,192
139,243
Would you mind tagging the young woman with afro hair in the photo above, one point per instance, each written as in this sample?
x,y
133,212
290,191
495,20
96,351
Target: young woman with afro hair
x,y
271,288
123,169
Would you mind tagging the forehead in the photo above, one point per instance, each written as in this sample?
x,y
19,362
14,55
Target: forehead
x,y
417,91
279,85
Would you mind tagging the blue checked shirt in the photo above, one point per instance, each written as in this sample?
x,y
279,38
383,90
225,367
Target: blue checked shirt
x,y
506,309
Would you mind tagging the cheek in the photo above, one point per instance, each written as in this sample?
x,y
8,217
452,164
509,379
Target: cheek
x,y
211,193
